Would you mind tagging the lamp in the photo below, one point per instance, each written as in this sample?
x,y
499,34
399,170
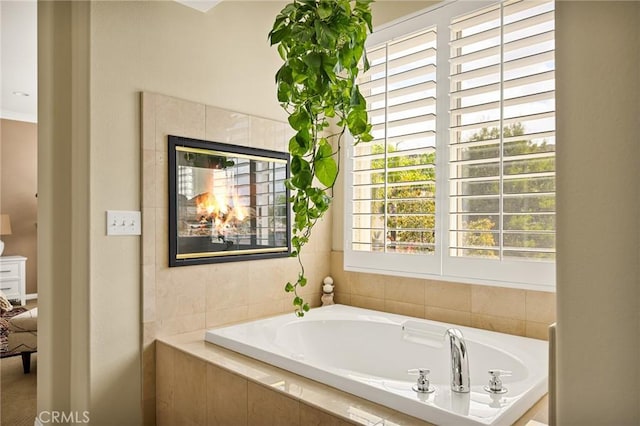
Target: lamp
x,y
5,228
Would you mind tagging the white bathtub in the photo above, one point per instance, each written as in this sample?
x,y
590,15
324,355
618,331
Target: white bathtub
x,y
367,353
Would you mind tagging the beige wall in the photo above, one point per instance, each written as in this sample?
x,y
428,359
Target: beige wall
x,y
598,110
63,197
384,11
18,188
221,58
92,281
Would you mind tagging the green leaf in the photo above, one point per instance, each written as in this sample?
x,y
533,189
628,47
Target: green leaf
x,y
313,60
321,200
289,185
284,75
282,51
325,36
329,111
357,122
300,143
314,213
365,62
284,92
324,10
328,66
357,100
298,164
303,179
366,137
367,18
301,221
306,307
302,280
298,207
346,57
278,35
300,119
326,170
297,301
289,288
288,9
324,149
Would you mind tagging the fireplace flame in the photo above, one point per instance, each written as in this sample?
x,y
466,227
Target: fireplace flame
x,y
223,212
239,211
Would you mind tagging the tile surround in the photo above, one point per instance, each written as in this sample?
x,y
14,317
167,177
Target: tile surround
x,y
241,391
506,310
313,416
227,397
268,408
183,299
451,296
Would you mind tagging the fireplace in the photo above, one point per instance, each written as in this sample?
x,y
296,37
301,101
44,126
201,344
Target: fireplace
x,y
226,203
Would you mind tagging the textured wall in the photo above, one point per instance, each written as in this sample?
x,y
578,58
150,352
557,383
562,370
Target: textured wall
x,y
598,105
18,188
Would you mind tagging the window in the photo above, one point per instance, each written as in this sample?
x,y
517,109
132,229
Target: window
x,y
459,181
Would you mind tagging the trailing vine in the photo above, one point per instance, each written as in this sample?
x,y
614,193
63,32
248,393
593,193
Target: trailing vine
x,y
322,45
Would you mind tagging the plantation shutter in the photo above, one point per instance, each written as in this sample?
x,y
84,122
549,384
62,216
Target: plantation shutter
x,y
502,135
393,176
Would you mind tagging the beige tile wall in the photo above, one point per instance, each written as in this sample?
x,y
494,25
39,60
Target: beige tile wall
x,y
195,391
521,312
181,299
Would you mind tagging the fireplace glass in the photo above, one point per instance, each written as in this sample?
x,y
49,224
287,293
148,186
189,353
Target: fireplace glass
x,y
226,203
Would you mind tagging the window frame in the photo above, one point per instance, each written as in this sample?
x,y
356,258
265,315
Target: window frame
x,y
521,274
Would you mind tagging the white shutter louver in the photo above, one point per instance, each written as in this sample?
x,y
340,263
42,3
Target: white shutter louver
x,y
393,201
502,137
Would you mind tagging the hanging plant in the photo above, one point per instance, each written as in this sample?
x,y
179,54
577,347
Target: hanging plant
x,y
322,45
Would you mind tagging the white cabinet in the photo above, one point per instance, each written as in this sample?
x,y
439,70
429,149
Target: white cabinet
x,y
13,277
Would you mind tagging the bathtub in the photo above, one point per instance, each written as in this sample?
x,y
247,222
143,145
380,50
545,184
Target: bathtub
x,y
369,353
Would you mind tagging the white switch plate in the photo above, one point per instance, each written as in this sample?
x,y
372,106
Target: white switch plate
x,y
122,222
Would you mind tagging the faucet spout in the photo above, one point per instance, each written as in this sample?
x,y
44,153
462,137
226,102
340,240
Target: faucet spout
x,y
459,361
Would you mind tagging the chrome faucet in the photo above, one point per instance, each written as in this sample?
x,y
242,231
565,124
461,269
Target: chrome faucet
x,y
459,361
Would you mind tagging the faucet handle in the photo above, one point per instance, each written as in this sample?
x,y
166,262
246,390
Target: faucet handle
x,y
422,385
496,373
418,371
495,384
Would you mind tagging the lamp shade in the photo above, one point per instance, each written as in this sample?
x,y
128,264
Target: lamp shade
x,y
5,224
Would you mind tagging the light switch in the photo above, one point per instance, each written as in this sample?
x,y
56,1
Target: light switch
x,y
122,222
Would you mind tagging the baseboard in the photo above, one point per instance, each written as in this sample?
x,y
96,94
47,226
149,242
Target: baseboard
x,y
31,296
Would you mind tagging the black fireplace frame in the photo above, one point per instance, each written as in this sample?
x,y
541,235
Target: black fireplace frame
x,y
206,257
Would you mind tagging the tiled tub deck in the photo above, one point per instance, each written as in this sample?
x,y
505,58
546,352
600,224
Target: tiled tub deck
x,y
198,383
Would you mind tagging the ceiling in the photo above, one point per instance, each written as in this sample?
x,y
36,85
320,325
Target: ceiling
x,y
19,53
18,60
201,5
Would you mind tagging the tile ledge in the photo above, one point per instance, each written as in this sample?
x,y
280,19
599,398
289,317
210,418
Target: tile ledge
x,y
301,389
